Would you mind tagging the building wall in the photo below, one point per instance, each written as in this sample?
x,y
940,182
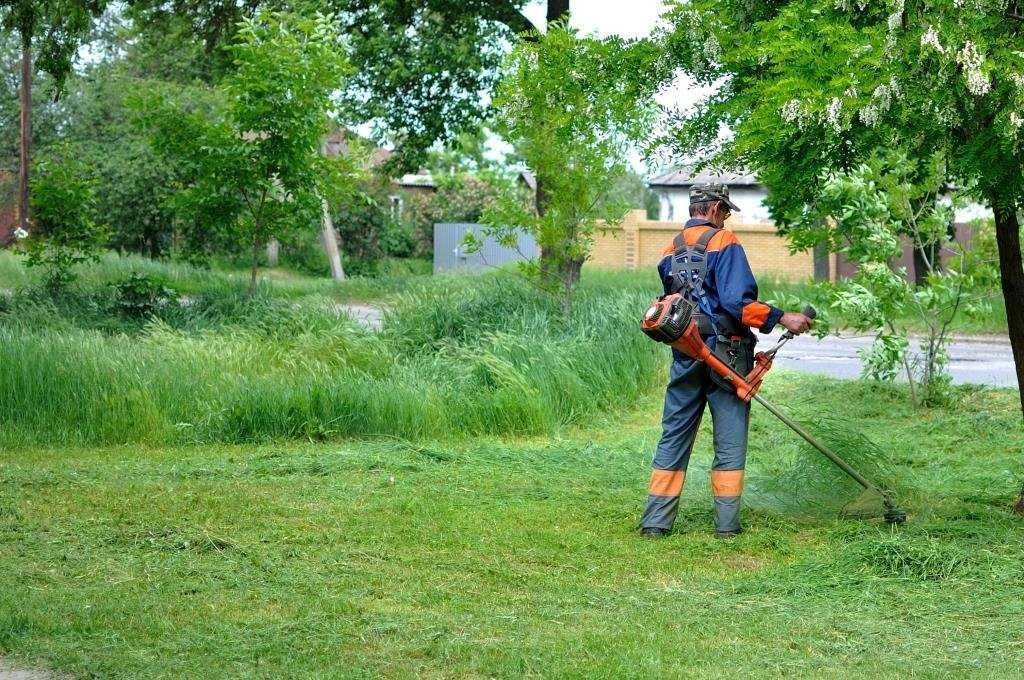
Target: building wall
x,y
639,242
674,203
450,255
767,252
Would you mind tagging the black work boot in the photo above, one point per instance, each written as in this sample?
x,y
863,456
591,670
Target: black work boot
x,y
729,534
653,532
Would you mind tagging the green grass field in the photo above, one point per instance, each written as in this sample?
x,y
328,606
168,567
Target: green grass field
x,y
260,488
501,557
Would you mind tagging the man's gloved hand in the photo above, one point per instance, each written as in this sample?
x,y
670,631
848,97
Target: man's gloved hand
x,y
796,323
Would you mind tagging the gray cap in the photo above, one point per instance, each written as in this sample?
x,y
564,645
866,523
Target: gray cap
x,y
712,191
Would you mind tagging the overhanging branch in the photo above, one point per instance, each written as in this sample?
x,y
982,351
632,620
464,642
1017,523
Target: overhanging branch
x,y
509,15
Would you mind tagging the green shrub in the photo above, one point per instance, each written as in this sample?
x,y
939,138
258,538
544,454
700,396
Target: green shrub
x,y
66,231
140,295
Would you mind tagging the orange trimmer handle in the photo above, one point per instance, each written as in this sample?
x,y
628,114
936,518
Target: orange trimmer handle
x,y
692,345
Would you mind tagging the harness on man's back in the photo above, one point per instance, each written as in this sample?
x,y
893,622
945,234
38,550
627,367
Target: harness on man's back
x,y
689,268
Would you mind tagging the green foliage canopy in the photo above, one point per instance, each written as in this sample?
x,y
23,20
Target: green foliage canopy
x,y
54,28
64,207
806,85
419,67
573,107
256,167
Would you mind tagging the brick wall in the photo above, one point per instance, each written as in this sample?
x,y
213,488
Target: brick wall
x,y
638,242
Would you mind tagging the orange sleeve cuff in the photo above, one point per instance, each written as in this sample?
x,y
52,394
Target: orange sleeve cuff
x,y
755,314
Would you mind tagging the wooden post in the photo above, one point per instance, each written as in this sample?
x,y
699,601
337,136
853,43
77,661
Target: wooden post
x,y
329,238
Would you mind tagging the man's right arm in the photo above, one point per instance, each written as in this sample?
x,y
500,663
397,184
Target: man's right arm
x,y
795,322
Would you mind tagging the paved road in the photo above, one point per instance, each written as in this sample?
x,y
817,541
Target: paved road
x,y
979,360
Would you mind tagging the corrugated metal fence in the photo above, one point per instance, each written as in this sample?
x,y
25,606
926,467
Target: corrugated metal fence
x,y
449,254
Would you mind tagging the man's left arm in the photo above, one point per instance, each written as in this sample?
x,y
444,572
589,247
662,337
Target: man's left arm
x,y
737,289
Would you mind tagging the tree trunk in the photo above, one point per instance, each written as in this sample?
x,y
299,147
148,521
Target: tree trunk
x,y
557,9
329,237
926,260
549,258
255,270
558,273
822,270
1011,274
26,131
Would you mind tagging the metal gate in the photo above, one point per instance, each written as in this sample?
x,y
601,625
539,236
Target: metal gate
x,y
450,255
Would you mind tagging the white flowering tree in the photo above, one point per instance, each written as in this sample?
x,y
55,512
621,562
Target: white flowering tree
x,y
809,86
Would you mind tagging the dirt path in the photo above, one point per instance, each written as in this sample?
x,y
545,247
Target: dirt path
x,y
9,671
365,315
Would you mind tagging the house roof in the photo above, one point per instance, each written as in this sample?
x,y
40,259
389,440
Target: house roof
x,y
422,178
529,179
685,177
337,143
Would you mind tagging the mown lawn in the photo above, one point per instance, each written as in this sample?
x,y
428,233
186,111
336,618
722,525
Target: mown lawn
x,y
501,558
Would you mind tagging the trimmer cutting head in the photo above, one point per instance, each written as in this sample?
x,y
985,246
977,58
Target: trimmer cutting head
x,y
872,502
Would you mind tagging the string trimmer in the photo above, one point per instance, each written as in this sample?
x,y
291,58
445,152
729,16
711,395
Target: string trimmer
x,y
670,320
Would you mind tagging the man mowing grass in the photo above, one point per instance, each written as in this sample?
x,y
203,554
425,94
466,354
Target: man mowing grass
x,y
718,278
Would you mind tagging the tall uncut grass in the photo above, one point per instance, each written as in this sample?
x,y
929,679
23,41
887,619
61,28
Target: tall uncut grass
x,y
456,357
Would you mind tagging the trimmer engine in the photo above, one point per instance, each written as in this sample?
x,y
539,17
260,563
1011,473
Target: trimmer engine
x,y
668,318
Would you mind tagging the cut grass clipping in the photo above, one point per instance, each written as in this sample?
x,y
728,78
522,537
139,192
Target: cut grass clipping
x,y
811,484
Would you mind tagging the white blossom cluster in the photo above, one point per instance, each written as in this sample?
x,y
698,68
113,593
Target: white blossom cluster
x,y
833,113
881,99
847,5
793,112
997,7
896,18
1016,120
971,60
712,50
930,38
707,51
869,115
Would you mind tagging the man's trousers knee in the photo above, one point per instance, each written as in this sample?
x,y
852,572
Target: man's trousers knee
x,y
690,387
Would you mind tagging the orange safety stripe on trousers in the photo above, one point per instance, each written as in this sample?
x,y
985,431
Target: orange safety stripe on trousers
x,y
727,482
667,482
